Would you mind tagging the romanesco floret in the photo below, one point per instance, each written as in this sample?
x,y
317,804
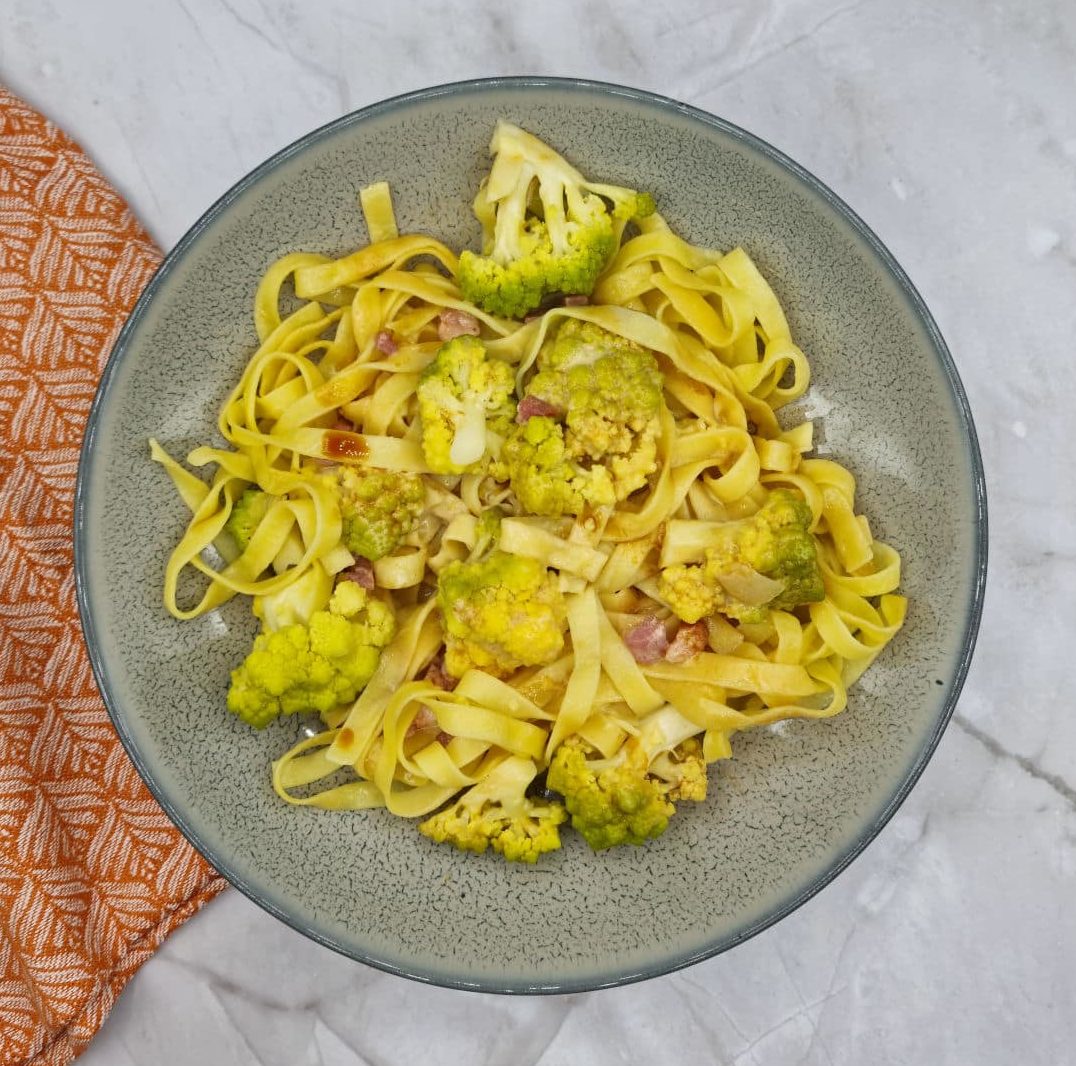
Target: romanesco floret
x,y
464,397
610,805
378,508
610,390
607,392
547,229
627,799
314,666
247,513
776,542
500,612
497,812
544,478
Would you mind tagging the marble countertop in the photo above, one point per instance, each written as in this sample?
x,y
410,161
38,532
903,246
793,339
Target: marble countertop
x,y
951,129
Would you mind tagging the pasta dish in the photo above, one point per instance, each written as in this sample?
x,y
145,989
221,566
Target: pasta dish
x,y
525,539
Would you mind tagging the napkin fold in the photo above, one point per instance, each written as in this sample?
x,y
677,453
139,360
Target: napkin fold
x,y
93,876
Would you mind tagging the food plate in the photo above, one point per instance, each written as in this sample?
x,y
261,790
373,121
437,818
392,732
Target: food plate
x,y
796,803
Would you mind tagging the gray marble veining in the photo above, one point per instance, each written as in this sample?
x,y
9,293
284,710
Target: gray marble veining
x,y
950,129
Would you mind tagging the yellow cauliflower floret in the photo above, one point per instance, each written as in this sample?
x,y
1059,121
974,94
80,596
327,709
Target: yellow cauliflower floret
x,y
595,440
545,480
466,403
687,590
500,613
498,813
683,771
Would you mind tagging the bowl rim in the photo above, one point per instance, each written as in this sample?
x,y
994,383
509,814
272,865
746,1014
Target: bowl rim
x,y
973,609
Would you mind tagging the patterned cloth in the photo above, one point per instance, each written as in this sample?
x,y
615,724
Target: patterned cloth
x,y
93,876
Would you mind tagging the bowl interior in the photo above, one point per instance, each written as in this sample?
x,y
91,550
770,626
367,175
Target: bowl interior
x,y
796,802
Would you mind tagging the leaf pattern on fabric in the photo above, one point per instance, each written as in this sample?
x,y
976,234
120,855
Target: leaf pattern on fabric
x,y
93,876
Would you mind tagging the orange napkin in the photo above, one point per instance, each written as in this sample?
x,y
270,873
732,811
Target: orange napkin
x,y
93,876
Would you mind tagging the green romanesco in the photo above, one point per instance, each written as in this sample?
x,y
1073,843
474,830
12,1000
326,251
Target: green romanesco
x,y
378,508
498,813
547,230
775,542
314,666
500,612
618,804
627,799
464,398
607,392
247,513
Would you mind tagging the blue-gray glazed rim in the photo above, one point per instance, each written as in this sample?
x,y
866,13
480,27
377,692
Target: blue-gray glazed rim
x,y
793,807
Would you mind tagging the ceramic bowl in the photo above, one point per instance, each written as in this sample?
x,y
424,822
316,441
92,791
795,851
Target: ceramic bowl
x,y
797,802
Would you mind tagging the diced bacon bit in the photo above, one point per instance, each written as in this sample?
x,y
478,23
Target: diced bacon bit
x,y
423,722
385,343
646,640
361,572
579,299
534,407
453,323
437,675
688,642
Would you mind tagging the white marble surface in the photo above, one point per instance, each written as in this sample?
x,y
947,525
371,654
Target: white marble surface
x,y
951,129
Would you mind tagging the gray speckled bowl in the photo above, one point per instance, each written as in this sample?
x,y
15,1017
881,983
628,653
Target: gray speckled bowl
x,y
793,807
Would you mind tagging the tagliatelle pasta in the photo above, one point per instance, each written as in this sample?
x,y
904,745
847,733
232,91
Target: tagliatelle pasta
x,y
333,386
